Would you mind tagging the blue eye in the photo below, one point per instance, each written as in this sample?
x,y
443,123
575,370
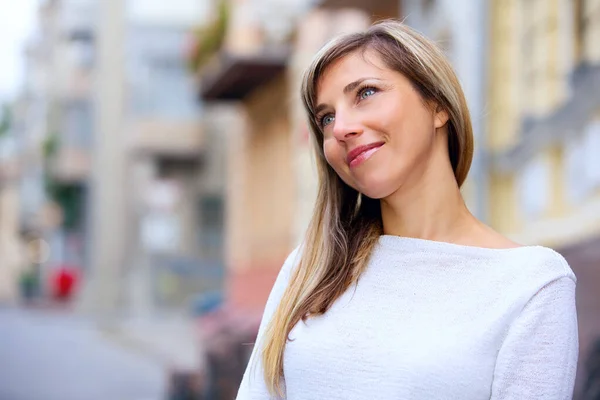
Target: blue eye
x,y
366,92
327,119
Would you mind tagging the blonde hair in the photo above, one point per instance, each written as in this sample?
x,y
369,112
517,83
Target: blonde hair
x,y
345,225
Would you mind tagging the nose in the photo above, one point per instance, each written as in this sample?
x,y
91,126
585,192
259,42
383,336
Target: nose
x,y
345,127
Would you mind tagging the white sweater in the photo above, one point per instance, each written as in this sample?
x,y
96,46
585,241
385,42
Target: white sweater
x,y
431,320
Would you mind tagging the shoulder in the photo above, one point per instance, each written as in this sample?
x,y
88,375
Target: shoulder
x,y
545,262
533,263
291,262
533,268
293,258
283,279
537,279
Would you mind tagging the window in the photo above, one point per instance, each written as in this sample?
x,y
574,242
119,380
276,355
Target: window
x,y
164,87
591,145
591,30
579,28
78,125
211,227
534,188
81,53
539,80
506,86
582,166
574,165
586,20
160,232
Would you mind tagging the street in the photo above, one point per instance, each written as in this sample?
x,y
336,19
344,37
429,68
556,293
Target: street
x,y
53,355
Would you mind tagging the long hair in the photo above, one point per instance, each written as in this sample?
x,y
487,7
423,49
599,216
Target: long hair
x,y
346,225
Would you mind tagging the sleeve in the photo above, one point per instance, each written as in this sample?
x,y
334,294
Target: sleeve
x,y
253,385
538,358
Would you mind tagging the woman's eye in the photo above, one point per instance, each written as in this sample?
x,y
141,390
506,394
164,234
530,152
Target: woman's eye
x,y
366,92
326,120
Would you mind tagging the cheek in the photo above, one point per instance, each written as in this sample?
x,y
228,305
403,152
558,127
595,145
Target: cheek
x,y
409,135
333,153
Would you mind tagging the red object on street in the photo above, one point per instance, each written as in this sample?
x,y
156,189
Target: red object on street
x,y
64,282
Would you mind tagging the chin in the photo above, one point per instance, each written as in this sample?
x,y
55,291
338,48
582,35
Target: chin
x,y
376,190
375,194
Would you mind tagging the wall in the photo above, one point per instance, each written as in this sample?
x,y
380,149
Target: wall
x,y
261,201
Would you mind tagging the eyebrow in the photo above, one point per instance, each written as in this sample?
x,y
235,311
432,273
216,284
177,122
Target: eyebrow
x,y
347,89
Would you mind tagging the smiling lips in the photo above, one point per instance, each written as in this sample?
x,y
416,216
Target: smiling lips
x,y
360,154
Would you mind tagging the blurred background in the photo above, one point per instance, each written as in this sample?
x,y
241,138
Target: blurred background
x,y
155,171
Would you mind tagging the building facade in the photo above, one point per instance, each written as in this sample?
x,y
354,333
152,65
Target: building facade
x,y
120,177
158,214
543,136
53,117
248,73
13,259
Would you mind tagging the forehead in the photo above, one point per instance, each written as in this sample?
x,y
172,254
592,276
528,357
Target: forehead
x,y
349,68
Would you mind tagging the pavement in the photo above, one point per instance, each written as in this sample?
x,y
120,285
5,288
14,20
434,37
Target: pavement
x,y
172,341
53,354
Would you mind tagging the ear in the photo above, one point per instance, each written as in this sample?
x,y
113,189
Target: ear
x,y
440,117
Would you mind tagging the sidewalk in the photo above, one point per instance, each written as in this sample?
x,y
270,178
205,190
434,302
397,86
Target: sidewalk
x,y
50,354
173,342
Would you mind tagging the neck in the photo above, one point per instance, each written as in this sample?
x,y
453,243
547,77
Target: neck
x,y
429,206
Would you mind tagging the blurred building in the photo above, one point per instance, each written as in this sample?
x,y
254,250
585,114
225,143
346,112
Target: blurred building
x,y
177,160
11,262
122,174
250,70
543,136
158,187
53,116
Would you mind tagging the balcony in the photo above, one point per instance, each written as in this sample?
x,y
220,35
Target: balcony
x,y
70,165
73,78
231,76
232,60
166,138
77,19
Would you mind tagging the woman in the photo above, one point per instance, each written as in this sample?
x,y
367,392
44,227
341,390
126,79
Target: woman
x,y
397,291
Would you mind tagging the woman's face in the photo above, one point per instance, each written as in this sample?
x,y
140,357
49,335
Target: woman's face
x,y
377,130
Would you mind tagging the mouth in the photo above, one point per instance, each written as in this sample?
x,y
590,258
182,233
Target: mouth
x,y
361,153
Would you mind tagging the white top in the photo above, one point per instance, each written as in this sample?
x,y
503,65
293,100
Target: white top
x,y
432,320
